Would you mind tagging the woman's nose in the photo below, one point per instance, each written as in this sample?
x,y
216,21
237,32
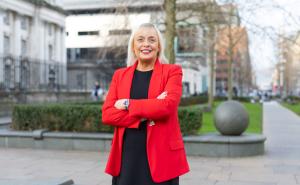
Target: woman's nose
x,y
145,43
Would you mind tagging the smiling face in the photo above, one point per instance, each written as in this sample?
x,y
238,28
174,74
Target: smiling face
x,y
146,44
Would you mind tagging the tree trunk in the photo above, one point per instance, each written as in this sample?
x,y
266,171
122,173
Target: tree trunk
x,y
170,9
211,54
230,57
211,59
230,80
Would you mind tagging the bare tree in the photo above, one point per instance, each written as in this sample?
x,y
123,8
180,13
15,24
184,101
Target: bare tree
x,y
170,9
211,21
207,16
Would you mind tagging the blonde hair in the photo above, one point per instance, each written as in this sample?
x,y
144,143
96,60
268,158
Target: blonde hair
x,y
131,58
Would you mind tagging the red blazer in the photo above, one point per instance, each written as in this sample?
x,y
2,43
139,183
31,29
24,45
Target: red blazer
x,y
165,148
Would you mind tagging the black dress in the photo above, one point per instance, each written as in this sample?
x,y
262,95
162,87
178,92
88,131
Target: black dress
x,y
135,168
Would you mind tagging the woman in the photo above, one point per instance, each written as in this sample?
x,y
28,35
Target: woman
x,y
147,146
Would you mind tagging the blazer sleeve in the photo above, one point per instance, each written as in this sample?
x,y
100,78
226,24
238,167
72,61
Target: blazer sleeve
x,y
113,116
156,109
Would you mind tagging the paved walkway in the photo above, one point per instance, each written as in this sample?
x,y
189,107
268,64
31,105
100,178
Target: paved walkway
x,y
279,166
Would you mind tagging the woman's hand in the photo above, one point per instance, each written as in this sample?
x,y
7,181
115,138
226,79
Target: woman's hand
x,y
119,104
162,95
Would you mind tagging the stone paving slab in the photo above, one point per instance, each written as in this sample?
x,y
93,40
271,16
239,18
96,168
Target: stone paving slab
x,y
243,183
279,166
37,182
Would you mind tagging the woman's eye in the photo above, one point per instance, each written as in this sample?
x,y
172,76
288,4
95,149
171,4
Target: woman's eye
x,y
152,40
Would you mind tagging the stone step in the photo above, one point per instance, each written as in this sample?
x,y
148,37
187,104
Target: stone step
x,y
5,122
5,113
5,126
37,182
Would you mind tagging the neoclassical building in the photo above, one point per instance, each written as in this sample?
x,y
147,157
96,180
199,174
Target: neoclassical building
x,y
32,46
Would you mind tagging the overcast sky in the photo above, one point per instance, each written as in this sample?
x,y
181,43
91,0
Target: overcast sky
x,y
275,16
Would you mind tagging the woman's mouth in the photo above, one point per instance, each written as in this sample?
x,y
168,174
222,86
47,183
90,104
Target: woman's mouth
x,y
146,51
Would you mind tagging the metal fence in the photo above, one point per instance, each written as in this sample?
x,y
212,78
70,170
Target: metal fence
x,y
22,74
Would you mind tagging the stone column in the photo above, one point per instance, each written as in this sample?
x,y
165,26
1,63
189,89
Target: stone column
x,y
16,44
2,13
16,36
57,57
36,49
63,56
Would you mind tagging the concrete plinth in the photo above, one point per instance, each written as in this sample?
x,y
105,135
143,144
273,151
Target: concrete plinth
x,y
217,145
212,145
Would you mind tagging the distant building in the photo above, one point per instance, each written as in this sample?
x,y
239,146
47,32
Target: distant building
x,y
277,79
233,37
241,63
98,33
32,46
289,64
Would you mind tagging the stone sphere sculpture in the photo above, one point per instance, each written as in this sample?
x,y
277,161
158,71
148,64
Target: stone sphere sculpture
x,y
231,118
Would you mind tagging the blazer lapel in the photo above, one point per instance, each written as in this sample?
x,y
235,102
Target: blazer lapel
x,y
127,81
155,89
155,86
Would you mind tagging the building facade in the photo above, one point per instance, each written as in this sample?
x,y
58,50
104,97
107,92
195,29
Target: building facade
x,y
98,35
241,63
32,46
288,68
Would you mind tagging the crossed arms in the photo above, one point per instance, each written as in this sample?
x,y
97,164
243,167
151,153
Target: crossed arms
x,y
161,107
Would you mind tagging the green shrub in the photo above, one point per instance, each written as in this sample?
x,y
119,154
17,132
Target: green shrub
x,y
193,100
59,117
292,99
84,118
87,103
240,99
190,120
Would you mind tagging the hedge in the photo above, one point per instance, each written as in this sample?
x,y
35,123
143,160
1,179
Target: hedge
x,y
292,99
193,100
84,118
240,99
59,117
190,120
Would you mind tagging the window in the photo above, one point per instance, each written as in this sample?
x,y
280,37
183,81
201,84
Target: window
x,y
84,33
77,53
23,48
79,79
119,32
186,88
6,18
24,23
84,53
50,52
24,75
49,29
204,83
6,45
188,40
7,76
68,54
